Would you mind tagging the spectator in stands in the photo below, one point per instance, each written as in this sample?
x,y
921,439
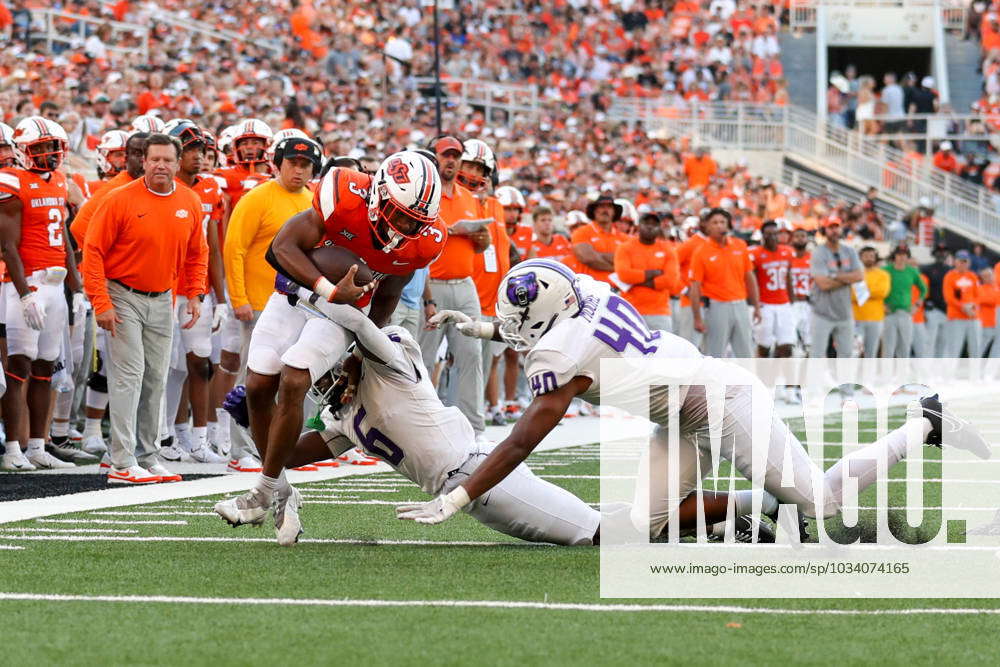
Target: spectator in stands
x,y
545,241
835,267
897,336
935,306
722,281
132,268
700,168
893,98
945,159
869,302
989,299
595,243
648,264
961,292
979,259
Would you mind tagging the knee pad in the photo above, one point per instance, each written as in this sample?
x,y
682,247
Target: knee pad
x,y
98,382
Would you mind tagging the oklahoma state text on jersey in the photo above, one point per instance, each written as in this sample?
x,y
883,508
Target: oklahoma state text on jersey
x,y
342,202
43,216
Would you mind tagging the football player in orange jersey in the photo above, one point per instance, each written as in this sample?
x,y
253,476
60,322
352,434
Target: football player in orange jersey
x,y
197,340
802,286
772,269
110,158
390,221
521,236
32,238
248,163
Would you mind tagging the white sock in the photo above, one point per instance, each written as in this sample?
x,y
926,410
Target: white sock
x,y
223,419
267,486
744,502
200,436
12,447
59,429
863,463
36,444
91,427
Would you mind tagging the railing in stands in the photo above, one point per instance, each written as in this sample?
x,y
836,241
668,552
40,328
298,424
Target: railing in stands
x,y
967,132
969,209
208,30
55,27
803,12
492,96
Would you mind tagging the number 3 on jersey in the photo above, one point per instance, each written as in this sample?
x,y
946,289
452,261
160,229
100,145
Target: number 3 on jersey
x,y
626,328
55,227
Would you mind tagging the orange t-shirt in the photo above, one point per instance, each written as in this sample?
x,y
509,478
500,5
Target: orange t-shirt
x,y
599,240
82,220
685,251
989,299
699,171
959,288
43,217
489,267
722,270
455,261
632,259
145,240
558,249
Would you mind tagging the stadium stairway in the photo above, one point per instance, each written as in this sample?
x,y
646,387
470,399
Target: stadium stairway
x,y
964,80
798,55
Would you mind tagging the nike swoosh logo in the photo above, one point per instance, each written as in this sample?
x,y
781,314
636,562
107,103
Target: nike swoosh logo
x,y
139,215
395,263
486,500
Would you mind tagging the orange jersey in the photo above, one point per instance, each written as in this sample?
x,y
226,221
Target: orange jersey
x,y
212,202
239,181
146,240
599,240
342,203
523,239
82,220
83,184
771,270
558,248
43,216
721,270
632,259
960,288
456,260
801,275
489,267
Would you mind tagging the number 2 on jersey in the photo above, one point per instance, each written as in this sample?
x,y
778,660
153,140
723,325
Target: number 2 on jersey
x,y
626,328
55,227
390,452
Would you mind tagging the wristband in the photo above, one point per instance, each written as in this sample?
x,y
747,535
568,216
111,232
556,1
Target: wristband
x,y
325,288
429,302
459,497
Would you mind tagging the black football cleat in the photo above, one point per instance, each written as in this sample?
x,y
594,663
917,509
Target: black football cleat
x,y
948,429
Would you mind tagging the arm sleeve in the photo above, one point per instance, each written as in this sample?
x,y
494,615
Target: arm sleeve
x,y
100,236
195,261
240,234
624,268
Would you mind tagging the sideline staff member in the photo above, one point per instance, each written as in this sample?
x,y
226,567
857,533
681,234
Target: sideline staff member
x,y
144,236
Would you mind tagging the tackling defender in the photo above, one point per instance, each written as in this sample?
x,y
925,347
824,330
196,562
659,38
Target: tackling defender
x,y
567,323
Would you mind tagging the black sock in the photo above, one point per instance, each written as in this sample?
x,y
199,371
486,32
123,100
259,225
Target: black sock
x,y
59,440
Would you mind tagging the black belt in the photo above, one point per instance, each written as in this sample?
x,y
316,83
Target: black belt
x,y
138,291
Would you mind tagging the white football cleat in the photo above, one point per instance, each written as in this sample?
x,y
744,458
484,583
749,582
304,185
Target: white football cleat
x,y
204,454
75,436
250,508
951,430
356,457
16,462
173,453
94,444
134,475
287,524
42,459
165,475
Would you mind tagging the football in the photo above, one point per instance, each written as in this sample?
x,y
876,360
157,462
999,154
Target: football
x,y
334,261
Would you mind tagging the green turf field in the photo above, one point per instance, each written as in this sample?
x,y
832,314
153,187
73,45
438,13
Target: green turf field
x,y
356,556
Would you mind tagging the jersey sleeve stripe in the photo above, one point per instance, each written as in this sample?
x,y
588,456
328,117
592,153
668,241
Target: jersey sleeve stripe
x,y
11,181
327,194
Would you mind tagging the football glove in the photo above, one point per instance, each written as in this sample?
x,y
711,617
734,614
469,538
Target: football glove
x,y
236,405
220,314
465,324
435,511
34,312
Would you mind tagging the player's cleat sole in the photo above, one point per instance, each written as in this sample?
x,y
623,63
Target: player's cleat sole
x,y
306,468
247,509
287,524
329,463
951,430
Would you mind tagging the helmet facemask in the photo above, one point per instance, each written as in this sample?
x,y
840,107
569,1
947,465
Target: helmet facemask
x,y
44,155
386,219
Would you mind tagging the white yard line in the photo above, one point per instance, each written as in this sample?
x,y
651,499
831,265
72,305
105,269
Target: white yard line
x,y
113,522
63,531
12,534
10,547
493,604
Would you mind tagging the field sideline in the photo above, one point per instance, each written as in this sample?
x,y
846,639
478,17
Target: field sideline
x,y
178,585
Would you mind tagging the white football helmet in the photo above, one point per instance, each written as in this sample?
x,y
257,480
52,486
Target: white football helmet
x,y
7,141
629,212
29,134
280,135
405,194
533,297
574,218
111,141
478,152
225,144
251,128
508,195
148,124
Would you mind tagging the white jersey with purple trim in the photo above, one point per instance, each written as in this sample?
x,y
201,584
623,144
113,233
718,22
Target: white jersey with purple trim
x,y
397,416
609,327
